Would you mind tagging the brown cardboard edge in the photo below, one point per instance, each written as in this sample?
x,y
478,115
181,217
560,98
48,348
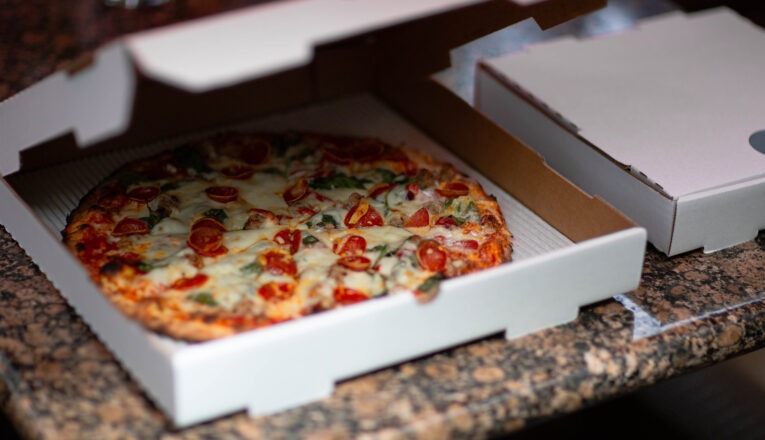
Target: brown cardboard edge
x,y
505,160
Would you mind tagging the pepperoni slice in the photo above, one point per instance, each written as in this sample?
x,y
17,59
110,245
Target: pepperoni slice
x,y
296,192
238,172
278,262
380,189
346,296
453,189
362,215
285,237
188,283
412,189
431,256
351,245
466,244
446,222
356,263
143,194
130,226
208,222
276,291
420,218
206,241
222,194
254,151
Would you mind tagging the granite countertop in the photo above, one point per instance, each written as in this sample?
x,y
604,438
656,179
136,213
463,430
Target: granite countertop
x,y
59,381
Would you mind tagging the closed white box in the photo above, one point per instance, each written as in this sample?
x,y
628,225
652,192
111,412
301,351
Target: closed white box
x,y
657,120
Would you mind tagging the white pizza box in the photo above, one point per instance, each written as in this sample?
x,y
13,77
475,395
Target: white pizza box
x,y
61,136
665,121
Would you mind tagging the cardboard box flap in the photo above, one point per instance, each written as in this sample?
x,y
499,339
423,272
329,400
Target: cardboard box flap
x,y
151,85
671,100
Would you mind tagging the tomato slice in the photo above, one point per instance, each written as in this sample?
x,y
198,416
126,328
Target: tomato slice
x,y
208,222
143,194
130,226
255,151
206,241
285,237
446,222
346,296
238,172
188,283
278,262
358,263
431,256
222,194
453,189
362,215
420,218
276,291
351,245
296,192
380,189
412,189
306,211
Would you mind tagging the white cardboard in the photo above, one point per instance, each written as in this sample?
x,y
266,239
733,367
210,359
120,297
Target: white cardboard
x,y
673,102
186,380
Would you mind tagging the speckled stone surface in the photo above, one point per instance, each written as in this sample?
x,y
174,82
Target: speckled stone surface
x,y
58,381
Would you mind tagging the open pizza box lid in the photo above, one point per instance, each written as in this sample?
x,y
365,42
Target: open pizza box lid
x,y
201,76
665,121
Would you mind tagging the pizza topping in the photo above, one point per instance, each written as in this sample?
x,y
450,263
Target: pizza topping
x,y
419,219
357,263
453,189
277,262
296,192
189,283
130,226
362,215
205,298
259,217
351,245
238,172
208,222
206,241
222,194
143,194
289,238
412,189
276,291
431,256
448,221
338,180
346,296
255,152
380,189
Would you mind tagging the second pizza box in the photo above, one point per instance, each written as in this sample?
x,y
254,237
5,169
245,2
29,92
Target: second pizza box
x,y
665,121
341,74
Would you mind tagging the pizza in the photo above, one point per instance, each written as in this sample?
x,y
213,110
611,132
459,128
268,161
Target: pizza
x,y
244,230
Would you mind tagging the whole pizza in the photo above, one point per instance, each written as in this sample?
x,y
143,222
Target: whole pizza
x,y
245,230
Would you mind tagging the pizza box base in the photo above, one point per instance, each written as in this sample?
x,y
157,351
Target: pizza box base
x,y
264,371
657,120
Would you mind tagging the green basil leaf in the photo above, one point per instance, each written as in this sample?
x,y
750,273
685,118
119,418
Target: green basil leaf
x,y
216,214
203,298
431,283
309,240
339,180
253,268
